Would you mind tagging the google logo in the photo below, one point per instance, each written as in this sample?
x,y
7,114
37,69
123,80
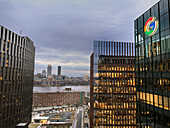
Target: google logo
x,y
151,26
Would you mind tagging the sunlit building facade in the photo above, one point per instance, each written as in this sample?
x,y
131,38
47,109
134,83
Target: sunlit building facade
x,y
112,85
152,39
17,55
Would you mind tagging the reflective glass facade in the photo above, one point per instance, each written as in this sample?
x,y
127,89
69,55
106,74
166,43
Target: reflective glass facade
x,y
112,85
16,78
153,68
59,70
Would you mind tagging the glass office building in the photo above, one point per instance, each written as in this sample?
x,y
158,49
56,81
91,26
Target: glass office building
x,y
152,40
112,85
59,70
17,55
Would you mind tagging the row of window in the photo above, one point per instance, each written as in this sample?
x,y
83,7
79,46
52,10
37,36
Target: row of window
x,y
121,89
13,38
115,75
153,99
154,82
117,68
153,49
117,83
16,78
155,66
152,118
14,50
116,61
56,96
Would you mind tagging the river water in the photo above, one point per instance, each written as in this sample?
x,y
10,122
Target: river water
x,y
57,89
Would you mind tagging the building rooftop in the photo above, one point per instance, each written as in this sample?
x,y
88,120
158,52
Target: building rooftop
x,y
42,118
21,124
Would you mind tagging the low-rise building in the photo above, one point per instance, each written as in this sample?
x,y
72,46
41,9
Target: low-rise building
x,y
58,98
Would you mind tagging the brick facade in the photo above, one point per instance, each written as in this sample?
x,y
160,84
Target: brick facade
x,y
58,98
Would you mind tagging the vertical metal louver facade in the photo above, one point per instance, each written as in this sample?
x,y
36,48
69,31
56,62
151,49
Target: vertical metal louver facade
x,y
112,87
17,55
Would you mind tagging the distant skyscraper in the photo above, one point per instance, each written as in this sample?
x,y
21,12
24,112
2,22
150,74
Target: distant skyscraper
x,y
59,70
112,85
49,70
85,77
152,38
43,73
17,55
39,75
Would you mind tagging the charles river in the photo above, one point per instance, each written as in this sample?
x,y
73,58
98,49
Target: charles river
x,y
61,88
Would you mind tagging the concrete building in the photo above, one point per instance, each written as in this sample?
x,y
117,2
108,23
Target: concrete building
x,y
17,54
49,70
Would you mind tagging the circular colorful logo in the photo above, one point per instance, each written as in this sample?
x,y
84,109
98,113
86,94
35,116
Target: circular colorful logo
x,y
151,26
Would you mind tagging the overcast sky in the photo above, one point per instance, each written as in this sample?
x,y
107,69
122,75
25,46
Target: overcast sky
x,y
63,30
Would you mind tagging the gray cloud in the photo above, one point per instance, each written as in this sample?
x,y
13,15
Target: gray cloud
x,y
63,30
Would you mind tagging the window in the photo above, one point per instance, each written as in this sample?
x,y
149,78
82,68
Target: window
x,y
160,101
163,48
165,102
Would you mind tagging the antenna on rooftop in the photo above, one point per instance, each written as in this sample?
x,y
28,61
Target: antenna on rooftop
x,y
20,32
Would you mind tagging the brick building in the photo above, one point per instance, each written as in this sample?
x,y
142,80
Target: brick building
x,y
58,98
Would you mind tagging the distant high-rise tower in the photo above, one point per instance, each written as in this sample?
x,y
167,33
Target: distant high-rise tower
x,y
59,70
112,85
85,77
17,55
49,70
43,74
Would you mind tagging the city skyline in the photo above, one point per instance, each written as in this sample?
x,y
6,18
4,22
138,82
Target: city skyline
x,y
85,64
73,24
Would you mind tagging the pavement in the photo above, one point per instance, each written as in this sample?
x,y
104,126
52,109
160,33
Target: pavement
x,y
79,119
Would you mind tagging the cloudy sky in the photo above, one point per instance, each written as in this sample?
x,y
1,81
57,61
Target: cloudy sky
x,y
63,30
